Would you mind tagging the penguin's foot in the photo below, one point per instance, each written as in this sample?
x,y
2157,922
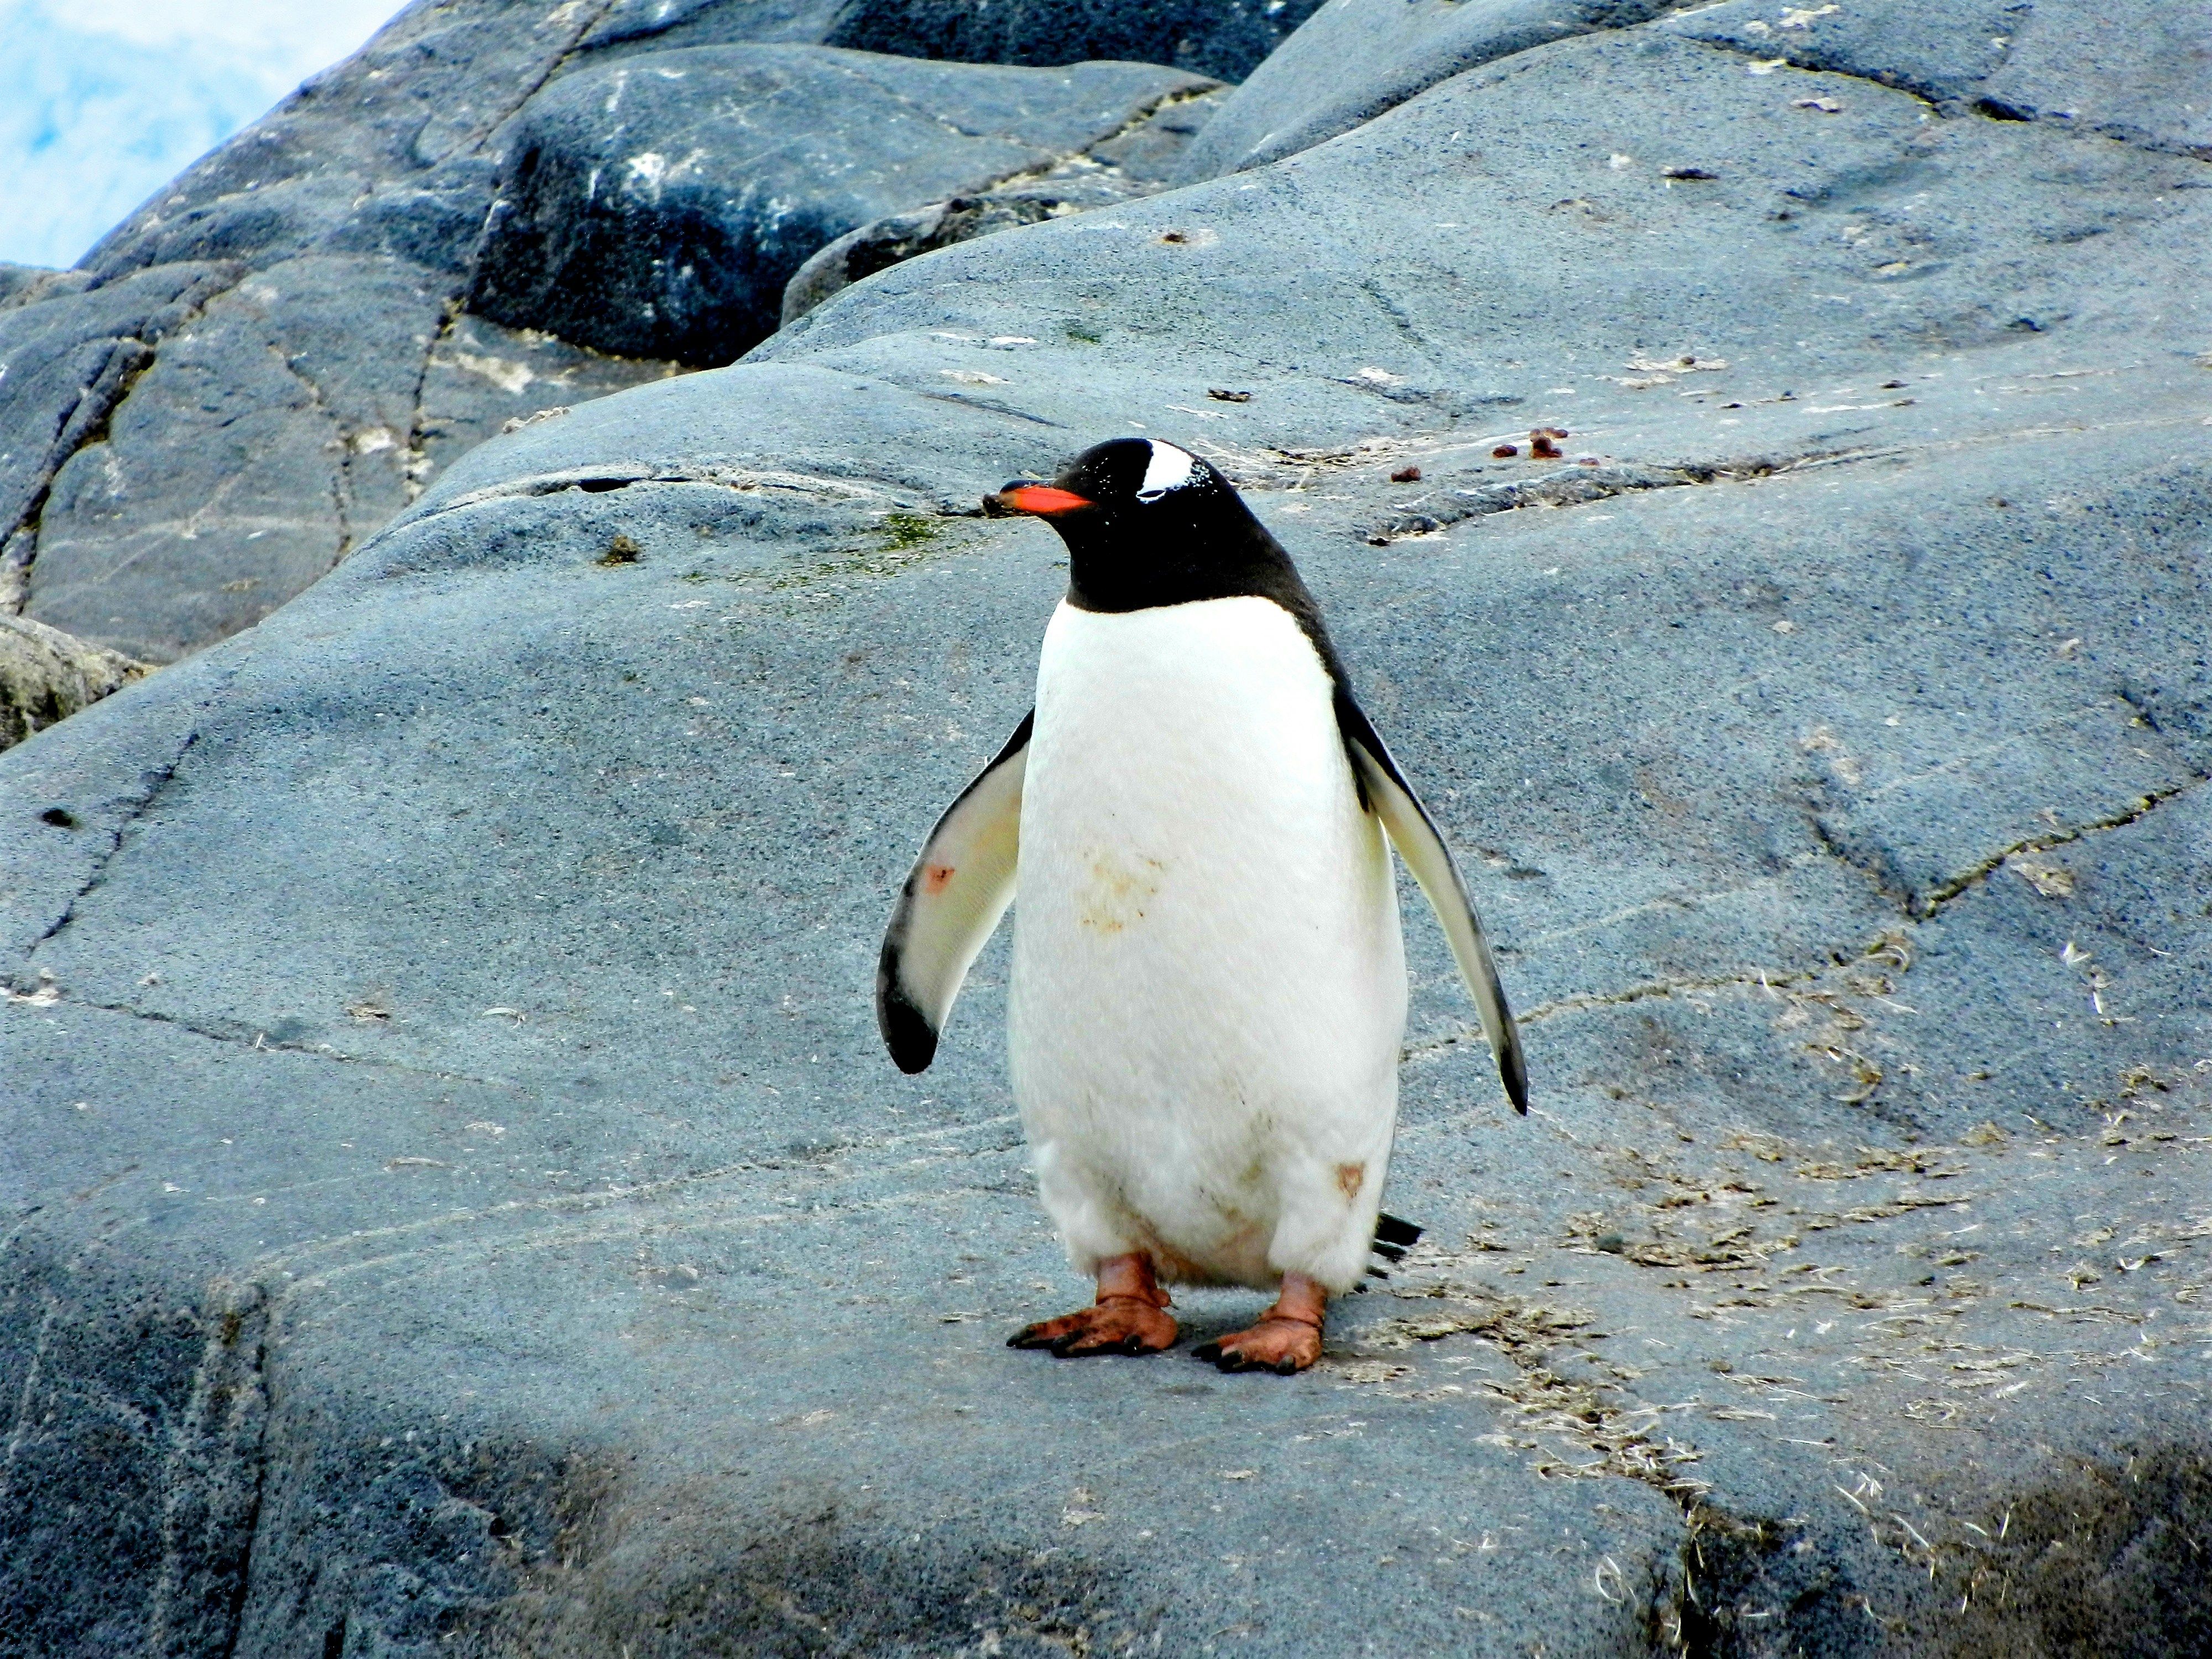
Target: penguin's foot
x,y
1128,1317
1287,1338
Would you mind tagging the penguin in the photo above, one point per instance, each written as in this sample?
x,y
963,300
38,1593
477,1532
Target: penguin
x,y
1208,989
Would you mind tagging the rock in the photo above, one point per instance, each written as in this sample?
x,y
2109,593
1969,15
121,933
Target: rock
x,y
482,379
1358,58
47,676
459,1204
21,284
1222,39
1225,40
211,412
2126,74
2132,74
657,206
1134,163
251,445
69,363
196,496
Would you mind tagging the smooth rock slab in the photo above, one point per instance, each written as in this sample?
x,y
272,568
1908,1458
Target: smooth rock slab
x,y
1358,58
447,1021
657,206
2133,72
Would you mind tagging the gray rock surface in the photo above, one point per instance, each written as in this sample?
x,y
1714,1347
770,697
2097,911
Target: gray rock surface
x,y
246,379
458,1205
1138,160
1358,58
2133,73
655,207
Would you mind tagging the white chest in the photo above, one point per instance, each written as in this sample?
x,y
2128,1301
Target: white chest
x,y
1181,747
1196,870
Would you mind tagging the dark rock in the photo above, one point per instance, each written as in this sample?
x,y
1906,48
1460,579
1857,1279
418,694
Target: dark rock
x,y
1225,40
22,284
249,449
859,254
1222,39
657,206
458,1200
482,379
68,362
229,486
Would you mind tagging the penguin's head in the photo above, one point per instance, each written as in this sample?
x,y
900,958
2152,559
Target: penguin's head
x,y
1145,524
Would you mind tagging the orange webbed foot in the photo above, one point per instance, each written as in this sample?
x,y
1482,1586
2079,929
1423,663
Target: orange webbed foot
x,y
1120,1325
1129,1317
1287,1338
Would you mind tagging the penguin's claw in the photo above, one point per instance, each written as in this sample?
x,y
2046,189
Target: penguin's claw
x,y
1285,1347
1122,1325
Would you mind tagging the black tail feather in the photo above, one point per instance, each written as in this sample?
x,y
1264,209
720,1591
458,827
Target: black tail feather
x,y
1394,1230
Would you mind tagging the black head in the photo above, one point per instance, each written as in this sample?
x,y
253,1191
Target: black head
x,y
1148,524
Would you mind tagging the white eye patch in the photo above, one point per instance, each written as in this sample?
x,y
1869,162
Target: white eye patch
x,y
1170,468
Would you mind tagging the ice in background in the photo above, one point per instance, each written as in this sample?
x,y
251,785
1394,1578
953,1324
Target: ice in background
x,y
103,101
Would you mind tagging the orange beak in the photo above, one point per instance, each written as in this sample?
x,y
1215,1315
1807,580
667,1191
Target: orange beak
x,y
1042,501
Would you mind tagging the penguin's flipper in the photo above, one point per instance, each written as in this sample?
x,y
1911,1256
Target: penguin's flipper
x,y
958,889
1414,835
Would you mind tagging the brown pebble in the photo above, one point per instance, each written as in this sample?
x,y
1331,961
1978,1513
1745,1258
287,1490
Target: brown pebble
x,y
1541,444
1505,451
1223,394
1406,475
1558,431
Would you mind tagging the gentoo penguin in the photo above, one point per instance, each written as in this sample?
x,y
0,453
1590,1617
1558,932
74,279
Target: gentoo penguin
x,y
1208,991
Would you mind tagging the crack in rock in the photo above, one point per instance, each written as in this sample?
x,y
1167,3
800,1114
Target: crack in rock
x,y
598,480
1807,59
1915,909
1575,485
130,356
151,784
1936,897
48,993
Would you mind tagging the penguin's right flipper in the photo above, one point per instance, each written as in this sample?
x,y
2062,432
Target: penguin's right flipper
x,y
1415,836
958,889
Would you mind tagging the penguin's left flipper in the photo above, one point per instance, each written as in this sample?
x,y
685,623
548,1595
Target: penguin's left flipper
x,y
1414,835
958,889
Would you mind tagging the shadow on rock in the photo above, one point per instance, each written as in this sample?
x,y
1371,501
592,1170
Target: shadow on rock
x,y
659,1573
2110,1559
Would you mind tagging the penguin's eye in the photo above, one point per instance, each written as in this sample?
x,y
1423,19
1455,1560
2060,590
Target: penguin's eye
x,y
1148,497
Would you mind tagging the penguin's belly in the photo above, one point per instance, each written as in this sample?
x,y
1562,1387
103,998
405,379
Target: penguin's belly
x,y
1208,991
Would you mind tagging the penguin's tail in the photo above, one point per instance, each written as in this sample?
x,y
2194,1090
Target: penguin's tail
x,y
1394,1236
